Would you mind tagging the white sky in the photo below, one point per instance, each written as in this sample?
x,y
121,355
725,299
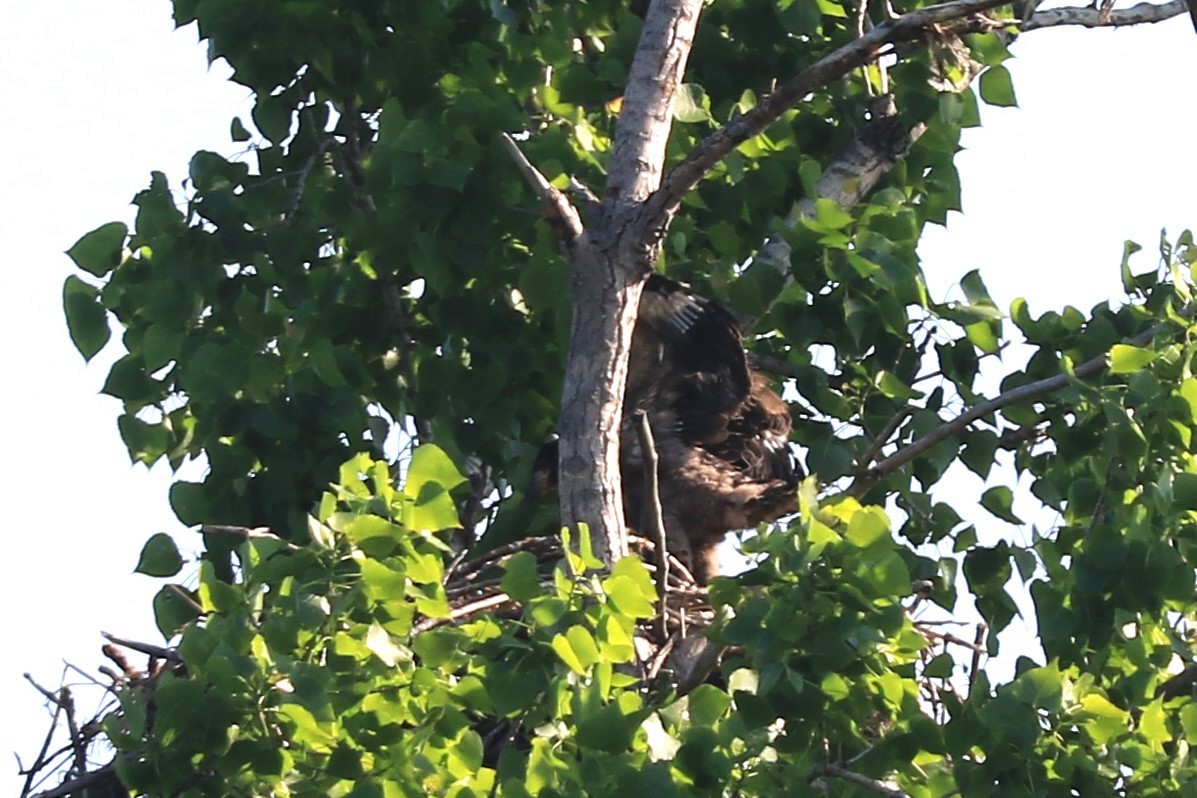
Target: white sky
x,y
98,94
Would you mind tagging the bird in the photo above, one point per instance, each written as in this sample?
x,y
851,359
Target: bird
x,y
720,431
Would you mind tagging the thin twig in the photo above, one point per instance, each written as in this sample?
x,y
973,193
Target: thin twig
x,y
181,593
879,442
948,637
957,425
481,605
68,708
979,640
247,533
655,513
40,761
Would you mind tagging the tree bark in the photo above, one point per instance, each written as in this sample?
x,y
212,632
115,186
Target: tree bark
x,y
608,265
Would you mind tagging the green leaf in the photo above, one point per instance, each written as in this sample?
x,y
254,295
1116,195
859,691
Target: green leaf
x,y
1184,490
1102,720
630,596
159,557
576,648
521,580
237,130
1041,688
189,502
99,252
997,88
1125,359
940,667
432,511
867,527
174,608
983,336
430,465
692,105
87,320
707,704
383,647
999,500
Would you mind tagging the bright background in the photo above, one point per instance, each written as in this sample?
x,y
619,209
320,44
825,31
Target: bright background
x,y
96,95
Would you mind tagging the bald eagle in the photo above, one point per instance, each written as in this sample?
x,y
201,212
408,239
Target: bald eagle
x,y
720,430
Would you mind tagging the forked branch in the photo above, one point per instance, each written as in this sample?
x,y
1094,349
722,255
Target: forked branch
x,y
707,155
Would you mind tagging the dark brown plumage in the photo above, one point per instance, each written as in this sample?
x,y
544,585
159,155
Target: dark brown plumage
x,y
721,432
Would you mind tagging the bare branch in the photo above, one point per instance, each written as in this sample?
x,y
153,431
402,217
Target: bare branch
x,y
656,516
837,771
687,174
168,654
246,533
978,641
957,425
879,442
948,637
560,213
1092,17
466,610
848,179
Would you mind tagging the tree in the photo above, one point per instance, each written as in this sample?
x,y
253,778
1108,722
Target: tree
x,y
375,268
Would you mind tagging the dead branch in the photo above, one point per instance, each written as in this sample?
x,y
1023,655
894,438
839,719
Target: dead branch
x,y
464,611
978,640
656,516
951,639
560,213
246,533
1092,17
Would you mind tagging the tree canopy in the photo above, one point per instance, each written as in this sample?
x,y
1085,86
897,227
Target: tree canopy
x,y
365,323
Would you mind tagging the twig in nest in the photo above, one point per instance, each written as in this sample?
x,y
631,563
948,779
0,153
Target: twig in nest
x,y
656,518
482,604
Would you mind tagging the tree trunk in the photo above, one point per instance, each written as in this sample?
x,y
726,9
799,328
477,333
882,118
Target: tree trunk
x,y
608,266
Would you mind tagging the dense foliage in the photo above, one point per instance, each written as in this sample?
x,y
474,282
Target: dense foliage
x,y
371,273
